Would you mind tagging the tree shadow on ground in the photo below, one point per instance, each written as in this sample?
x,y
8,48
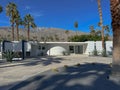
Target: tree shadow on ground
x,y
35,61
44,61
83,77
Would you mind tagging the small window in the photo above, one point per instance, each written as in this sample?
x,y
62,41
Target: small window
x,y
39,47
71,48
43,48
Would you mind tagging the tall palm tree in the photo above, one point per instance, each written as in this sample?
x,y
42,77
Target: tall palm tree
x,y
67,33
115,13
92,31
18,21
11,10
76,26
101,23
29,22
1,9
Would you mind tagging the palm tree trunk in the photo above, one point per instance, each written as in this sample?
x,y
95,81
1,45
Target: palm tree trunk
x,y
76,32
116,45
101,24
12,31
115,13
28,34
17,32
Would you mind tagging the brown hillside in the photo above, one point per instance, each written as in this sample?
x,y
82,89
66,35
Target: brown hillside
x,y
40,34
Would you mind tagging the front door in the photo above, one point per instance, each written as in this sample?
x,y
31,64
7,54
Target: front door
x,y
79,49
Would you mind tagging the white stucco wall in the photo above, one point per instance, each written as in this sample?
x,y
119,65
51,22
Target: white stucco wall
x,y
0,46
0,50
90,46
56,48
27,46
99,46
109,47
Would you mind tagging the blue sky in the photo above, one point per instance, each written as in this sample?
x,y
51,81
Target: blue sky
x,y
60,13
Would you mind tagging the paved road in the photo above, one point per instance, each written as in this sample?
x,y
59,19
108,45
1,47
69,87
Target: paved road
x,y
13,73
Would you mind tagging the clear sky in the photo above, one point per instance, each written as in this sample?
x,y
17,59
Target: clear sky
x,y
60,13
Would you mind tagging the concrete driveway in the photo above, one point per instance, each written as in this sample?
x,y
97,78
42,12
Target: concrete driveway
x,y
12,73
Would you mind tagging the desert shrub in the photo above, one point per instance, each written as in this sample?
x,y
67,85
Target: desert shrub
x,y
104,54
65,53
95,52
9,55
55,70
65,66
78,64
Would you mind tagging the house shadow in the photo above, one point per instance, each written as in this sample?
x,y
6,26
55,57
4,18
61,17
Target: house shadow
x,y
83,77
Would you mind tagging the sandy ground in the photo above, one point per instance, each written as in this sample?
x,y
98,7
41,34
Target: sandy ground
x,y
83,77
13,73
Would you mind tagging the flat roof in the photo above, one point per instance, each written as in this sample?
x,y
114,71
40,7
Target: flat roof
x,y
75,43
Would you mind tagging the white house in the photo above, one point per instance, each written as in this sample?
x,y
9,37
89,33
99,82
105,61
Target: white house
x,y
34,49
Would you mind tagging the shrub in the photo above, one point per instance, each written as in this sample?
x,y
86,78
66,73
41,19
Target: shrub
x,y
83,38
65,66
95,52
78,64
9,55
65,53
104,54
55,70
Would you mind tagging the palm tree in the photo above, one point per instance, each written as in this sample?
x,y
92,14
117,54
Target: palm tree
x,y
107,30
101,24
76,26
92,30
67,33
18,21
115,13
29,22
1,9
11,10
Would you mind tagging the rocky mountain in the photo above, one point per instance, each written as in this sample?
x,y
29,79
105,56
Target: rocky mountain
x,y
40,34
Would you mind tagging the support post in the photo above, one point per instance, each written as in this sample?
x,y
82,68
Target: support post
x,y
3,48
23,49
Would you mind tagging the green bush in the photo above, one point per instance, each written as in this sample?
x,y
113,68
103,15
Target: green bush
x,y
95,52
104,54
55,70
65,53
65,66
78,64
83,38
9,55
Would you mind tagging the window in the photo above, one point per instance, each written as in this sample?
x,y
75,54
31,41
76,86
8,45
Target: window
x,y
71,48
43,48
39,47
